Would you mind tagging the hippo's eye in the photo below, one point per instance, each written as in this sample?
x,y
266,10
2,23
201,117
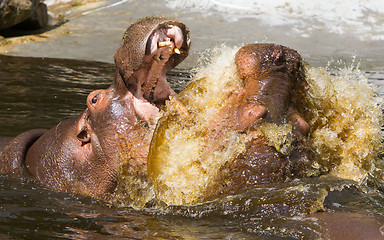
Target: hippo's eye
x,y
94,99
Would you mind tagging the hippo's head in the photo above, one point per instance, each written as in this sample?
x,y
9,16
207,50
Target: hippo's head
x,y
115,124
83,154
150,48
274,80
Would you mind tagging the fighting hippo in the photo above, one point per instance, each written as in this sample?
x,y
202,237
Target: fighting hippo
x,y
217,123
81,155
273,91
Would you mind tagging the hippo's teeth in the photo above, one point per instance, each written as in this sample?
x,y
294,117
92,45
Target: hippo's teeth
x,y
176,50
166,43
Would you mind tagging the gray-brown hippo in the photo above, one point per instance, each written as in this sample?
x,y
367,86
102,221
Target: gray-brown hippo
x,y
81,155
273,91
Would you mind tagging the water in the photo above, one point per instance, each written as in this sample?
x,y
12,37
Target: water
x,y
41,92
25,214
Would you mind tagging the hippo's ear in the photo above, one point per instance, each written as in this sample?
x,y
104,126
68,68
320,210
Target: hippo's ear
x,y
84,129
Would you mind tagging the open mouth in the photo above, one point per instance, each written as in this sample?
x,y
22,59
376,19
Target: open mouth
x,y
161,45
166,46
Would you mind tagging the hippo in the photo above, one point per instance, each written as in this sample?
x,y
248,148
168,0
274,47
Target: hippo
x,y
81,155
226,152
274,92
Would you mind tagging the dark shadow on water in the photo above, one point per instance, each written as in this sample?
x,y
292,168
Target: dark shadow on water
x,y
18,32
40,92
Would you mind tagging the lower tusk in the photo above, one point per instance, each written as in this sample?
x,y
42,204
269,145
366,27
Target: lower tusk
x,y
156,58
176,50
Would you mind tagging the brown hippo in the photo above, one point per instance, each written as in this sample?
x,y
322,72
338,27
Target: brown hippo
x,y
217,123
273,91
81,155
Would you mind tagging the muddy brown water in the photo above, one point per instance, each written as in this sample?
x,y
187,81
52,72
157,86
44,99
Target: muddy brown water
x,y
38,93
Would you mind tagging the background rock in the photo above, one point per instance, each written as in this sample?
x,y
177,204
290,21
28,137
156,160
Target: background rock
x,y
13,12
37,20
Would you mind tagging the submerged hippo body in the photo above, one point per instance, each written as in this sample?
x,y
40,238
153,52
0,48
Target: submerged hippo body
x,y
82,154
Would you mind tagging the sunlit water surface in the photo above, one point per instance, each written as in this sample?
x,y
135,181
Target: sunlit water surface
x,y
39,93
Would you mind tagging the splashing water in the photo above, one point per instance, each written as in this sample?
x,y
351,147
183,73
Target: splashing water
x,y
342,110
345,118
179,161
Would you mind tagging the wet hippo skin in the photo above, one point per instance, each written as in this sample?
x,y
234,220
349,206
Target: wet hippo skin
x,y
81,155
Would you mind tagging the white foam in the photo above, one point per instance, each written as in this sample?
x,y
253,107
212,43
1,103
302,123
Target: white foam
x,y
55,2
361,17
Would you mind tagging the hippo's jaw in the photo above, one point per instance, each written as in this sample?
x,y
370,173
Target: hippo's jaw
x,y
148,84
